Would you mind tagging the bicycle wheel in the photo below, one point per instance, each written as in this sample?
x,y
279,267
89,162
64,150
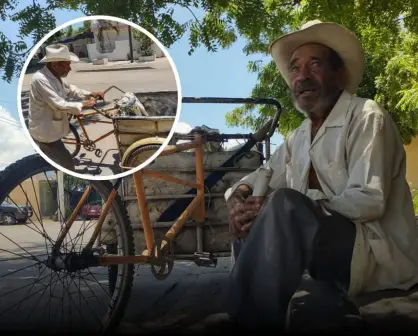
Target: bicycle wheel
x,y
136,156
72,141
65,295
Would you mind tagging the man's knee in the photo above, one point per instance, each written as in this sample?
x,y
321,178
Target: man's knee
x,y
286,195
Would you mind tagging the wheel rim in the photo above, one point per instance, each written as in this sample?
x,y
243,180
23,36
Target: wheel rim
x,y
45,297
8,219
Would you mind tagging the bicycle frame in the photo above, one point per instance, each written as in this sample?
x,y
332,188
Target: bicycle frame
x,y
82,118
195,209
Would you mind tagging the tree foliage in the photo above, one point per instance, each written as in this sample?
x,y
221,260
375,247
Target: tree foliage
x,y
36,20
388,30
69,31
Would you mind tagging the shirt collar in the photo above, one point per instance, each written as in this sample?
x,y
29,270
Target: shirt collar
x,y
338,113
337,116
49,74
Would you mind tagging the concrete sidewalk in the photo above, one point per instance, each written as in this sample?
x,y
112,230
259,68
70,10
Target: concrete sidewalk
x,y
159,63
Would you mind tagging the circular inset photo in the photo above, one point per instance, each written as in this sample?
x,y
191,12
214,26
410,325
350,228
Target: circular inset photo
x,y
99,97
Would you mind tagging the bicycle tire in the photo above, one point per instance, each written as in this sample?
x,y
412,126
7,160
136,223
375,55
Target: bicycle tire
x,y
144,150
73,130
35,164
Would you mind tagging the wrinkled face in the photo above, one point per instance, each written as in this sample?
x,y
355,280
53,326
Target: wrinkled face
x,y
61,69
315,81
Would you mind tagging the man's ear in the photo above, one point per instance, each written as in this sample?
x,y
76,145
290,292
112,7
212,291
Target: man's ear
x,y
341,78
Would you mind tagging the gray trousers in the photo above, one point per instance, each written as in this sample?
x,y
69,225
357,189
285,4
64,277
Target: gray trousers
x,y
289,236
57,152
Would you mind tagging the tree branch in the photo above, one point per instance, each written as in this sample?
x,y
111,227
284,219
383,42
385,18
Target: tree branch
x,y
186,7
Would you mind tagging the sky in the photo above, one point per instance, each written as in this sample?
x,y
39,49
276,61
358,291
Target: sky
x,y
203,74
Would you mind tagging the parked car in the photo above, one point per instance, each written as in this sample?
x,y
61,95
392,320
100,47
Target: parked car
x,y
92,210
12,214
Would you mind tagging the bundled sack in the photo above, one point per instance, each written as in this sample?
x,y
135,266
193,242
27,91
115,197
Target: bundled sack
x,y
129,104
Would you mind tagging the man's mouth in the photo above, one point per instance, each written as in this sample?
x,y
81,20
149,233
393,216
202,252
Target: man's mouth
x,y
306,92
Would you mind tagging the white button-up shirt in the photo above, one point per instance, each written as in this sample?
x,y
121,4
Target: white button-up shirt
x,y
49,104
359,158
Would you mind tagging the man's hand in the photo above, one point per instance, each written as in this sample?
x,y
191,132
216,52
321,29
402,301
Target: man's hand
x,y
242,215
242,211
89,103
251,209
97,95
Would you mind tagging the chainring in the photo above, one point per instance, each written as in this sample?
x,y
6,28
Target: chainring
x,y
162,260
89,145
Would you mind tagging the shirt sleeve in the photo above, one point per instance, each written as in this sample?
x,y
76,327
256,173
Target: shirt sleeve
x,y
371,153
74,92
277,162
45,91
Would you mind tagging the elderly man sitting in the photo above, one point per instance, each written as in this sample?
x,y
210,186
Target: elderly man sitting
x,y
340,206
49,104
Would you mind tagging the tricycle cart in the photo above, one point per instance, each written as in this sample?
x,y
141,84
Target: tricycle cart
x,y
171,210
132,132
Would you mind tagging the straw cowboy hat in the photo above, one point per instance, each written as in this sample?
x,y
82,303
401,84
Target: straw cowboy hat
x,y
58,53
334,36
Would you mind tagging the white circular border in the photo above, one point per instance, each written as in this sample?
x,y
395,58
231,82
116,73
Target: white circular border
x,y
173,67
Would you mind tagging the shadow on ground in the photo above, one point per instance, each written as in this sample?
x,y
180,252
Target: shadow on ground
x,y
193,302
95,168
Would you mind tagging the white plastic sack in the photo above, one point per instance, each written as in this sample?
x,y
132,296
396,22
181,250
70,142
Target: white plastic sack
x,y
129,104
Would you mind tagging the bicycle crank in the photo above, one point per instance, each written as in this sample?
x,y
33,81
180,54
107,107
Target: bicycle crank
x,y
89,145
162,260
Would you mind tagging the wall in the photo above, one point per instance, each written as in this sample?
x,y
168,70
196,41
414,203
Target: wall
x,y
80,46
412,162
120,53
123,36
113,35
158,51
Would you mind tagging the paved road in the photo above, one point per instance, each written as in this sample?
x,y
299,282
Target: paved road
x,y
189,294
154,76
184,299
151,77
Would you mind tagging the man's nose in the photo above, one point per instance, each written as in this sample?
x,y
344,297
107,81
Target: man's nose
x,y
305,72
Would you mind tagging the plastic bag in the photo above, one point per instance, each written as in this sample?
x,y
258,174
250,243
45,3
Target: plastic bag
x,y
129,104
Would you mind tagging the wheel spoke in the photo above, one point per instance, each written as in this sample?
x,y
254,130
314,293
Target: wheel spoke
x,y
45,287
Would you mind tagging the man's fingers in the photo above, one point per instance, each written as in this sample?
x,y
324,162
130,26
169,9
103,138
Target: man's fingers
x,y
247,226
241,215
255,200
247,207
245,217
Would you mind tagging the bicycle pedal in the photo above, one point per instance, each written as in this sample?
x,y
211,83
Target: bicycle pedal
x,y
205,259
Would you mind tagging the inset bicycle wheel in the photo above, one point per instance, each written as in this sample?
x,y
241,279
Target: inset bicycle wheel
x,y
72,141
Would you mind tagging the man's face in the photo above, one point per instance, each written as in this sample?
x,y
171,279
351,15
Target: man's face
x,y
61,69
313,81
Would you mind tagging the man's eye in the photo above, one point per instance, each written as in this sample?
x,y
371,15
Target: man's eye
x,y
315,63
293,69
